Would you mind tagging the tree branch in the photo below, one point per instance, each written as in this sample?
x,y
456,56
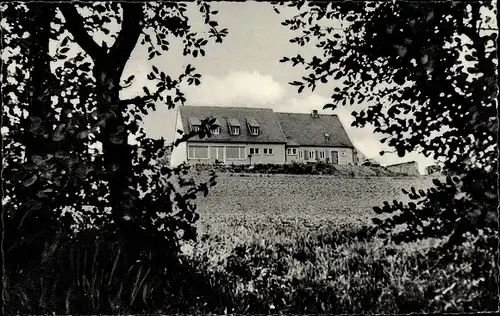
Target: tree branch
x,y
127,38
136,100
74,24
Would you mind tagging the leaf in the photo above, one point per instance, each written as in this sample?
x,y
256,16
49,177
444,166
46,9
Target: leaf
x,y
330,105
350,18
473,70
37,160
300,89
64,50
65,41
377,210
376,221
469,58
146,90
84,134
30,181
129,79
155,69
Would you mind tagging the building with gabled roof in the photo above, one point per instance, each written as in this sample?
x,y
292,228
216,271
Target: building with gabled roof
x,y
407,168
259,135
316,137
243,136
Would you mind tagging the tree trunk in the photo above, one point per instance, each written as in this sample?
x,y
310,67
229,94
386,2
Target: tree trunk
x,y
108,69
114,138
38,125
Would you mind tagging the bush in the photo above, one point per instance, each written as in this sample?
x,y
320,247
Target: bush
x,y
96,274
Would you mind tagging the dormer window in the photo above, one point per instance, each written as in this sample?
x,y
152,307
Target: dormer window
x,y
195,124
234,126
216,130
253,127
235,130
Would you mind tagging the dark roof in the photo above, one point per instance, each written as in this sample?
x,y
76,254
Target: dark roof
x,y
194,121
291,142
402,163
270,131
252,122
310,131
233,122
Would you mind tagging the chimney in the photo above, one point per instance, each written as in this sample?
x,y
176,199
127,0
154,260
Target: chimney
x,y
314,114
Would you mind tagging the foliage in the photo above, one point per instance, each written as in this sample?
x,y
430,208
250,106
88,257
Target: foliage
x,y
268,264
60,105
97,274
318,168
427,76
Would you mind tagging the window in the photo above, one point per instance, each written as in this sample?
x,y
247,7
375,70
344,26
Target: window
x,y
268,151
254,131
198,152
254,151
311,154
196,128
292,151
216,131
322,155
235,130
301,154
235,152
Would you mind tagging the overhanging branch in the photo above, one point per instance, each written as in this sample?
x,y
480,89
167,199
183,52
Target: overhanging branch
x,y
75,25
136,101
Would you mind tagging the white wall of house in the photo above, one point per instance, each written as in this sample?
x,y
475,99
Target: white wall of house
x,y
345,155
292,154
207,153
262,153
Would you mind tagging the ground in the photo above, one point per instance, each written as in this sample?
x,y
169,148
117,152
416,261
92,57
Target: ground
x,y
303,198
289,243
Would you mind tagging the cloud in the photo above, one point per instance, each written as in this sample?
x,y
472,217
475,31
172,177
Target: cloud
x,y
241,88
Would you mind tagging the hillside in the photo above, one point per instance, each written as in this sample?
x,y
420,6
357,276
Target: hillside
x,y
298,196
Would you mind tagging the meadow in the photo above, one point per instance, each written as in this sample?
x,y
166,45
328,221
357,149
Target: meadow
x,y
267,244
295,244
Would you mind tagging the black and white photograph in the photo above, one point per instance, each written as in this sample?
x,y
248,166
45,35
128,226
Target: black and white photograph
x,y
249,157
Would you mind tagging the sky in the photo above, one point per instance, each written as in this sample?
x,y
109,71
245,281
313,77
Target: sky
x,y
245,71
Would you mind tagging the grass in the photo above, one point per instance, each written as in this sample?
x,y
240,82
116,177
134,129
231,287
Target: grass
x,y
272,265
279,244
293,244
